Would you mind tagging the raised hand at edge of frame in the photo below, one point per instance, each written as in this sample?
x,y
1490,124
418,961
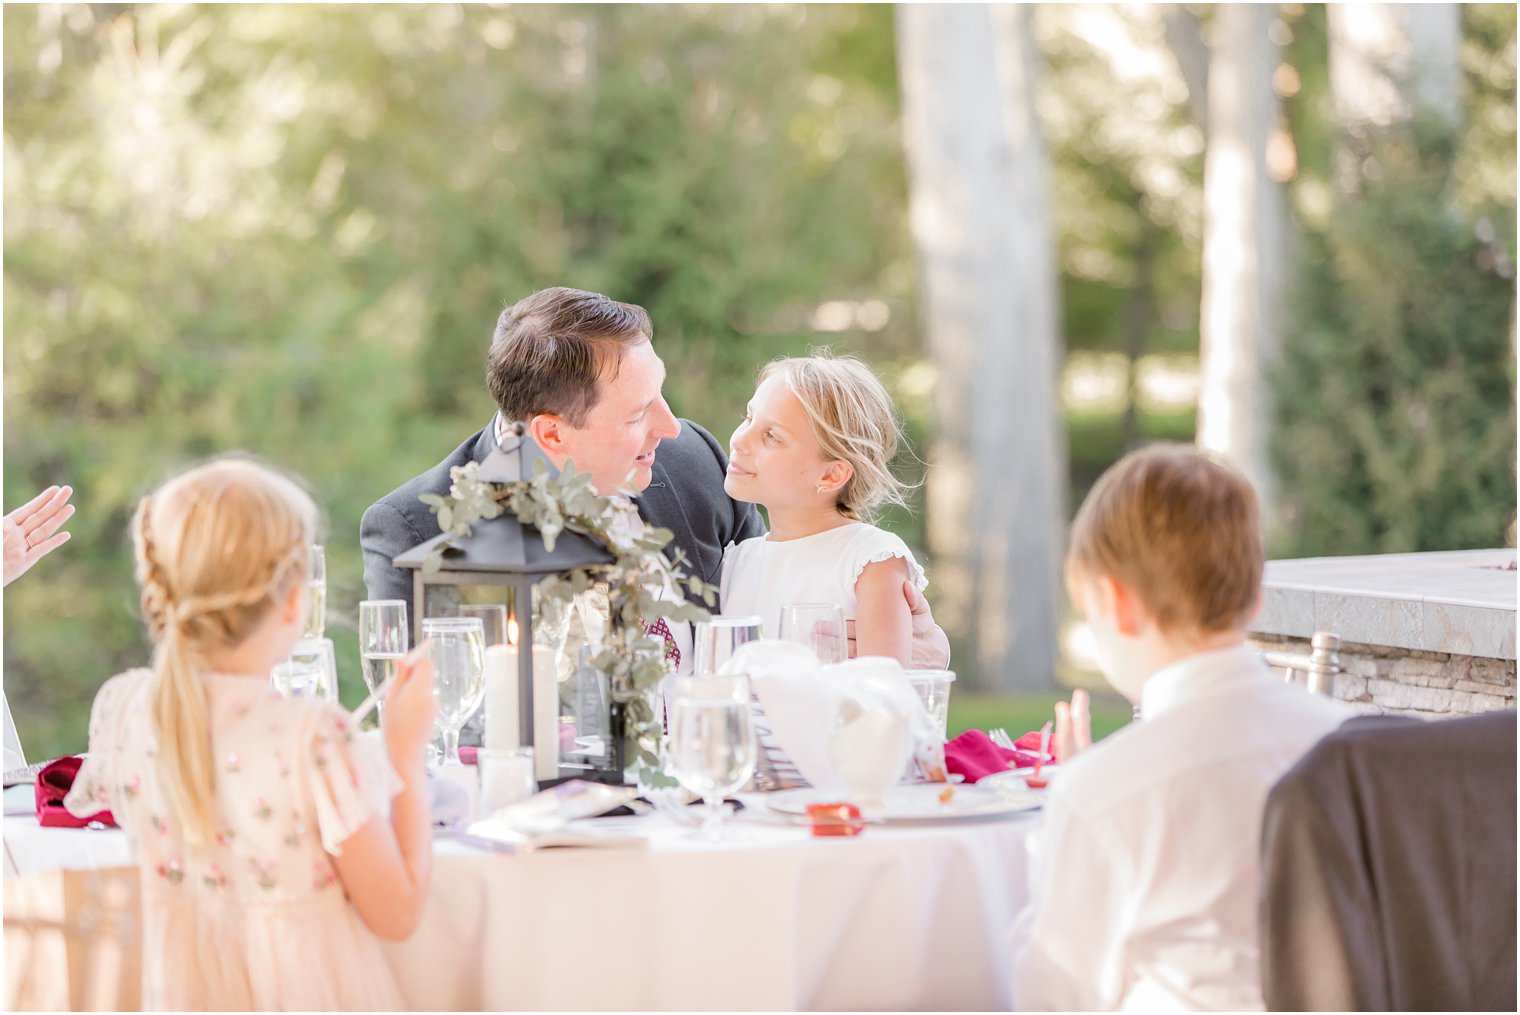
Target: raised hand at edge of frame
x,y
31,531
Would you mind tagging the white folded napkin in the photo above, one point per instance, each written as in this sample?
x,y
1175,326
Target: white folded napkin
x,y
849,727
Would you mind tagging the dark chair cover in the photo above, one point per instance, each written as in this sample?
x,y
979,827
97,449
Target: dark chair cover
x,y
1388,869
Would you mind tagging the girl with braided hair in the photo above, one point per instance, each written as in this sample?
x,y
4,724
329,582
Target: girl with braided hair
x,y
268,861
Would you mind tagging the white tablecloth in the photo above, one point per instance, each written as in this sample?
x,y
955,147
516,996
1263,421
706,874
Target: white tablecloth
x,y
898,918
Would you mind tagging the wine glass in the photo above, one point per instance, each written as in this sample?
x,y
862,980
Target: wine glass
x,y
458,652
320,651
383,641
316,617
716,639
819,626
298,677
493,620
712,741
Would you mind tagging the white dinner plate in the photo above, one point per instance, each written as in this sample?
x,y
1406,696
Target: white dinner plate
x,y
918,802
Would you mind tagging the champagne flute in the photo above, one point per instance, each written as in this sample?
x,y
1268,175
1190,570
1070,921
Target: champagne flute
x,y
712,741
458,652
716,639
383,641
316,618
819,626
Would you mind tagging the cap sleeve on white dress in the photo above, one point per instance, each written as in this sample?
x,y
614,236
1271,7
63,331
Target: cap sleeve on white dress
x,y
873,545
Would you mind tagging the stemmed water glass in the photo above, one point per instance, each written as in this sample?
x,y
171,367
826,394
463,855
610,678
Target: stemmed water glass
x,y
712,741
716,639
819,626
458,652
383,641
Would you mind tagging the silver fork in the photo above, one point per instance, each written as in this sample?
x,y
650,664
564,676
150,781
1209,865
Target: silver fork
x,y
666,804
1001,738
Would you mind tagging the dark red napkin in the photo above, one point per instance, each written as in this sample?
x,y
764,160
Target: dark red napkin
x,y
53,784
974,755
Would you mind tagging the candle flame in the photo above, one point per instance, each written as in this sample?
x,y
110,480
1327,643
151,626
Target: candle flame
x,y
512,631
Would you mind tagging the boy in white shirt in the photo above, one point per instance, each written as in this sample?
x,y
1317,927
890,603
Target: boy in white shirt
x,y
1146,873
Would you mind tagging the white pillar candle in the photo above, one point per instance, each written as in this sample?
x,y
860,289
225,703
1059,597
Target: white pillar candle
x,y
545,714
503,729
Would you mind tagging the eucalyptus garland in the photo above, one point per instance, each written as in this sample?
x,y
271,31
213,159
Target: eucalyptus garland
x,y
642,583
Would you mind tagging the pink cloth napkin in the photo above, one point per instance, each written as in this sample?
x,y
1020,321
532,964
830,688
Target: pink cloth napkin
x,y
974,755
53,784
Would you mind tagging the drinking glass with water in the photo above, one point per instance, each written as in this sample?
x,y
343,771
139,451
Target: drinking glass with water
x,y
712,741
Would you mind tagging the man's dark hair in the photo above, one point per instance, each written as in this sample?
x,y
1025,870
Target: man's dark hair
x,y
549,349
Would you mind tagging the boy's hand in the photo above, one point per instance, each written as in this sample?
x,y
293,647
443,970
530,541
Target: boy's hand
x,y
1073,727
409,705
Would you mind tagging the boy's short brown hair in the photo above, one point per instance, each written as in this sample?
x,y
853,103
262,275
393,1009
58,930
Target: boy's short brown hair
x,y
550,348
1179,529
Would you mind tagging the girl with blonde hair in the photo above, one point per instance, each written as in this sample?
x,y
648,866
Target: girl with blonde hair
x,y
268,862
815,449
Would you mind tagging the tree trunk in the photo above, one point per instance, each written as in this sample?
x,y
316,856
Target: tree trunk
x,y
1245,227
1388,61
1184,37
1139,313
979,201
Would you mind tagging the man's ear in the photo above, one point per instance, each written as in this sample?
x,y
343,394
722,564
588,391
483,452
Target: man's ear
x,y
547,431
1123,605
835,475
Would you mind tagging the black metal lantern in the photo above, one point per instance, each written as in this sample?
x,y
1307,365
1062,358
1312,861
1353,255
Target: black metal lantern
x,y
501,561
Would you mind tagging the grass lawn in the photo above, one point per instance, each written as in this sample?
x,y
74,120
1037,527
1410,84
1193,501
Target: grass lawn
x,y
1020,713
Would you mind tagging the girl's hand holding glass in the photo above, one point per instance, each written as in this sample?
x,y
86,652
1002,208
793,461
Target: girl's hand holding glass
x,y
409,706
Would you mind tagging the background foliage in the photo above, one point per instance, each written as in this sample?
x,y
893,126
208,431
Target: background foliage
x,y
289,229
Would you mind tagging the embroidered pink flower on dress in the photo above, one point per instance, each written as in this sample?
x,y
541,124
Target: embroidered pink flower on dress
x,y
264,875
261,809
326,877
171,871
234,764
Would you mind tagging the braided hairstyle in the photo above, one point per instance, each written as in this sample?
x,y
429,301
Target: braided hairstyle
x,y
216,547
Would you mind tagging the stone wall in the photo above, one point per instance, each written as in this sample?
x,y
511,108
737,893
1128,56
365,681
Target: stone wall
x,y
1378,679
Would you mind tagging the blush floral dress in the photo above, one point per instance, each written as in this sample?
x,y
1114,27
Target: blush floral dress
x,y
257,919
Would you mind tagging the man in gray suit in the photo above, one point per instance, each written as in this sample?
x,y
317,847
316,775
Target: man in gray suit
x,y
581,371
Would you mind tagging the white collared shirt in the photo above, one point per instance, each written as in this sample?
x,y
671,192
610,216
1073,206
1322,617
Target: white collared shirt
x,y
1144,876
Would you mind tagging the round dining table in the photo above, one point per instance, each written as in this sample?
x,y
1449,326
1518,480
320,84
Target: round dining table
x,y
901,917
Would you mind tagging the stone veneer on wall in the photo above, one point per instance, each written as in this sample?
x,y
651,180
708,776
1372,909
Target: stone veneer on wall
x,y
1430,634
1381,679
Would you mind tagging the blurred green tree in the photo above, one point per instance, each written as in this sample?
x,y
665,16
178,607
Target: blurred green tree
x,y
1395,403
290,230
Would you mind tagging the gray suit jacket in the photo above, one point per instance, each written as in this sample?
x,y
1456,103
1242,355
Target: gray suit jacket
x,y
685,496
1388,869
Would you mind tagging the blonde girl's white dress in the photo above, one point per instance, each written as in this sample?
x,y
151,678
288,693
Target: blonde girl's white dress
x,y
761,575
257,919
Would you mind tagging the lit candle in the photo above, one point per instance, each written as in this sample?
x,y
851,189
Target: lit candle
x,y
503,729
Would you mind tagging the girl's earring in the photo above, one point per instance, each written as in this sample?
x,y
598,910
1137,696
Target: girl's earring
x,y
821,490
